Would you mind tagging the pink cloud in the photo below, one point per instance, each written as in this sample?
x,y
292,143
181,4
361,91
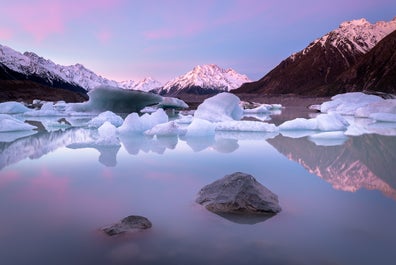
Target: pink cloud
x,y
45,17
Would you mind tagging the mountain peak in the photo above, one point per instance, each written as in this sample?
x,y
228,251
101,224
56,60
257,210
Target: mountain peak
x,y
205,79
313,70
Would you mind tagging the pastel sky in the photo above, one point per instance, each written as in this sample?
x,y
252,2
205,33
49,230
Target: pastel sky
x,y
131,39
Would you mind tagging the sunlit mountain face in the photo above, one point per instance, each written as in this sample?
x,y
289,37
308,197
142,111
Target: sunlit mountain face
x,y
361,162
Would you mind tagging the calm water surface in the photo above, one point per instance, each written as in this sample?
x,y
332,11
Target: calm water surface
x,y
338,202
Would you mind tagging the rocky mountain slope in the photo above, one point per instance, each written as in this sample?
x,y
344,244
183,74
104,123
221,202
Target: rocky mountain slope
x,y
375,71
312,70
204,79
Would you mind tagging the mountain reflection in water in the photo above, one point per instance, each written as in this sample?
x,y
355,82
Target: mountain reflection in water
x,y
366,161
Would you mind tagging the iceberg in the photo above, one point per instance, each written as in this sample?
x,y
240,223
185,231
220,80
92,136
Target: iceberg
x,y
11,124
116,100
323,122
47,109
331,122
263,108
299,124
172,103
135,124
383,117
221,107
12,107
165,129
107,135
245,126
109,116
348,103
383,106
200,127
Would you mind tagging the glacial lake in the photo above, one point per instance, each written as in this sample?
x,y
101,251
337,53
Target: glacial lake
x,y
338,200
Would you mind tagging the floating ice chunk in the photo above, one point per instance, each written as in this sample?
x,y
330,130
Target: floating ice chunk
x,y
107,135
297,133
47,109
245,126
323,122
361,126
328,138
299,124
10,124
106,116
384,117
331,122
221,107
12,107
264,108
173,103
348,103
258,116
115,99
135,124
165,129
200,127
184,119
383,106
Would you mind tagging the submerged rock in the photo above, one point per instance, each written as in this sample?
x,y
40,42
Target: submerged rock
x,y
132,223
238,193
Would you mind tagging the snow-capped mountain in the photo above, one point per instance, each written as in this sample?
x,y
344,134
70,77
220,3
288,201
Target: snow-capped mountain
x,y
356,36
313,70
30,64
205,79
147,84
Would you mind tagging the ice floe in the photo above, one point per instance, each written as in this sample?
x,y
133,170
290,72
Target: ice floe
x,y
134,123
323,122
200,127
348,103
109,116
221,107
11,124
107,135
12,107
383,106
165,129
246,126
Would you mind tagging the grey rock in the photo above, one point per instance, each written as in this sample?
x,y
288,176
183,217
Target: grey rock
x,y
238,193
132,223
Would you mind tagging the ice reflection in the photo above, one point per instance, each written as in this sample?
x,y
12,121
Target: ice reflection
x,y
366,161
39,144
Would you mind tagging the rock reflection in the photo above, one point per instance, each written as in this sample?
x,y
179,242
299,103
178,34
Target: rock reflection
x,y
250,219
366,161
